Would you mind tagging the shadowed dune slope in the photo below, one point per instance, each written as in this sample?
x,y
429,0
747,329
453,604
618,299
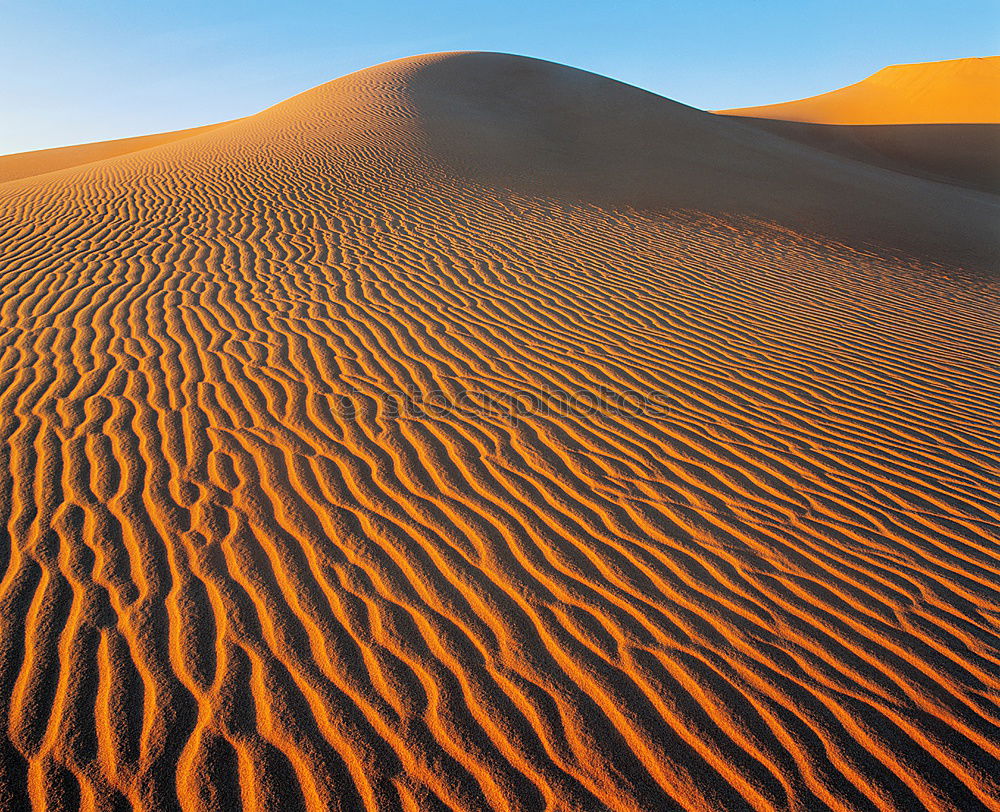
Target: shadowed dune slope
x,y
473,432
955,91
964,154
37,162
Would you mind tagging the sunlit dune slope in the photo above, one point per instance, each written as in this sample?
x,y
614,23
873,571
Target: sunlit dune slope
x,y
955,91
37,162
472,432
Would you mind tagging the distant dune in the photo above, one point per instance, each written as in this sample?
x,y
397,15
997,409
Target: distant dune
x,y
956,91
937,120
473,432
38,162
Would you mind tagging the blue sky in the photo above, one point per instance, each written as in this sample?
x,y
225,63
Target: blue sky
x,y
77,71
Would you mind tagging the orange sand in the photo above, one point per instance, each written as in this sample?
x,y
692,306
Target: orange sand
x,y
766,580
956,91
37,162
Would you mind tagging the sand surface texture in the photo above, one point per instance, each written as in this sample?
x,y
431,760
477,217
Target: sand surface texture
x,y
473,433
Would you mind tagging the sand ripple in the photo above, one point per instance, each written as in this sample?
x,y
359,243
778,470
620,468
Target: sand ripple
x,y
746,558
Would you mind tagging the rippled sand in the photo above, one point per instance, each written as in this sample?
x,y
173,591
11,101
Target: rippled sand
x,y
476,433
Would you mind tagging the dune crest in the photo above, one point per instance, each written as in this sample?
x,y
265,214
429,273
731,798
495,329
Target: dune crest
x,y
954,91
472,432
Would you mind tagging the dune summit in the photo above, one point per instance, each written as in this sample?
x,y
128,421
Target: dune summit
x,y
472,432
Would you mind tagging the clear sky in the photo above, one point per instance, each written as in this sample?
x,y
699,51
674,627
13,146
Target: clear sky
x,y
74,71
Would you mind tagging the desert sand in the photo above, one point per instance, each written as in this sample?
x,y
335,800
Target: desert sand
x,y
937,120
473,432
955,91
963,154
38,162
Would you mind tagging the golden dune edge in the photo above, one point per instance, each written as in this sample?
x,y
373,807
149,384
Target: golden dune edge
x,y
954,91
473,432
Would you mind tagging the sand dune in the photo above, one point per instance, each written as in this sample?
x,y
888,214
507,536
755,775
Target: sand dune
x,y
955,91
290,527
905,118
38,162
963,154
